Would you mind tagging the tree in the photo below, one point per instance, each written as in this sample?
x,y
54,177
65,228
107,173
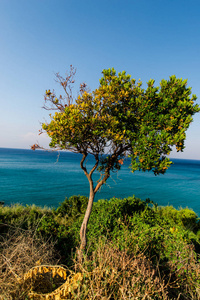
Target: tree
x,y
120,119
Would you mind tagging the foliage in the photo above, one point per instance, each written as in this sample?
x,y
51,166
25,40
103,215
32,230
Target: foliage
x,y
72,207
129,222
110,218
128,239
142,123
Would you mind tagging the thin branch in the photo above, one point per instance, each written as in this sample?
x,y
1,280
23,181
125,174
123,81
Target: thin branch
x,y
107,175
66,83
59,103
82,166
95,166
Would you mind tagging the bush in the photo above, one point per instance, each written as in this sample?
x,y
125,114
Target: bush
x,y
73,207
167,239
183,217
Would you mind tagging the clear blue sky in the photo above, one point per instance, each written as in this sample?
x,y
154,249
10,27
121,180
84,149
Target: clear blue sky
x,y
146,38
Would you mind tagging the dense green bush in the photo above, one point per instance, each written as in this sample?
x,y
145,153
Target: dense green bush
x,y
183,217
167,237
130,222
72,207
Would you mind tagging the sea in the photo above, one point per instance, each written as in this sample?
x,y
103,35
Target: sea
x,y
46,178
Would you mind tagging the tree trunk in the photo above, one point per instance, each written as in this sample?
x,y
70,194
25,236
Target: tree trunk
x,y
86,218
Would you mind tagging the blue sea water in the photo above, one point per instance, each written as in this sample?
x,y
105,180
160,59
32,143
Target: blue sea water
x,y
41,178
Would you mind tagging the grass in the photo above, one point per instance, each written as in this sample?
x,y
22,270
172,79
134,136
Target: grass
x,y
20,251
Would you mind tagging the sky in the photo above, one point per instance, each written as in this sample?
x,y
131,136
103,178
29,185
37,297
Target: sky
x,y
38,38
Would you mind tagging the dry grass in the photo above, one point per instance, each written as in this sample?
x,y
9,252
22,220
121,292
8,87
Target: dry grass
x,y
20,251
113,274
107,273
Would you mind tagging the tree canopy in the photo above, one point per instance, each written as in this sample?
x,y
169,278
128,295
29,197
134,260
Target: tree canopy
x,y
118,119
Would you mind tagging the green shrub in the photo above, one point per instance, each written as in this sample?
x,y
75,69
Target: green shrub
x,y
72,207
130,224
183,217
188,218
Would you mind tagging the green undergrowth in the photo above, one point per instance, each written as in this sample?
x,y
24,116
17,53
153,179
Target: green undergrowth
x,y
167,238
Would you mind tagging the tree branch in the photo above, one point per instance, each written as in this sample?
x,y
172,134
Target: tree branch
x,y
82,166
95,166
107,175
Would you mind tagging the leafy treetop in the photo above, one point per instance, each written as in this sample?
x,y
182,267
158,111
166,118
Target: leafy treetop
x,y
126,119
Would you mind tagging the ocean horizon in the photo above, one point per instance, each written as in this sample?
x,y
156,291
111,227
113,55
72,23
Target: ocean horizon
x,y
46,178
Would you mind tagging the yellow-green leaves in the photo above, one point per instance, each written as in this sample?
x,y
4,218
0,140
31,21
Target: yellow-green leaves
x,y
130,120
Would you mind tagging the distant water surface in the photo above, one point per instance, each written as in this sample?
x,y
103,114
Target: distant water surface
x,y
41,178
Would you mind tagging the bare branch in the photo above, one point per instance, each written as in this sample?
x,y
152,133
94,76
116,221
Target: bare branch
x,y
66,84
60,102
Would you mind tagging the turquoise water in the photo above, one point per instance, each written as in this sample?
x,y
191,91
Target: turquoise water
x,y
39,177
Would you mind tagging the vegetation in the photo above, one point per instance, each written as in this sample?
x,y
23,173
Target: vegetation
x,y
123,118
136,250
